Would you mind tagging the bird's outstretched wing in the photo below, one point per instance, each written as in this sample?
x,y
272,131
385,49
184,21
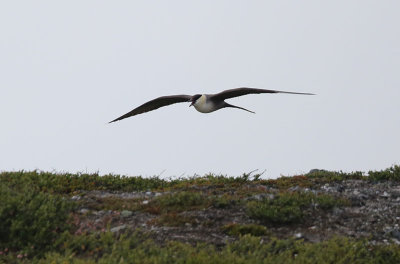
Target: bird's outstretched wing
x,y
245,90
155,104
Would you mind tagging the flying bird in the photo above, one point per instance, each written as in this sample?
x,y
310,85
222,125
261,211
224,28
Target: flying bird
x,y
204,103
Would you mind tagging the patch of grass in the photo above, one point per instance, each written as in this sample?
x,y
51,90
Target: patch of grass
x,y
174,219
112,203
287,182
187,201
290,207
177,202
327,202
182,199
224,201
235,229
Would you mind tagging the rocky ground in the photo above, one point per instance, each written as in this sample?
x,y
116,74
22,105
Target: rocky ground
x,y
373,212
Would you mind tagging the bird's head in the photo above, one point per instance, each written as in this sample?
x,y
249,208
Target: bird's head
x,y
194,99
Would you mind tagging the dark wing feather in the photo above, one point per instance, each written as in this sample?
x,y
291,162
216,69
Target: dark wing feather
x,y
155,104
245,90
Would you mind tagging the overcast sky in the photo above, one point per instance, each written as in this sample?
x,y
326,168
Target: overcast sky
x,y
68,68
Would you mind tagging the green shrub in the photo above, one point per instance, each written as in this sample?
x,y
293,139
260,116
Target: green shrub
x,y
272,213
216,180
185,200
31,220
174,219
235,229
68,183
247,249
224,201
112,203
89,245
345,250
181,199
334,176
289,207
177,202
392,174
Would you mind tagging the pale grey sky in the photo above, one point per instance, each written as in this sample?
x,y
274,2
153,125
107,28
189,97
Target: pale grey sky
x,y
67,68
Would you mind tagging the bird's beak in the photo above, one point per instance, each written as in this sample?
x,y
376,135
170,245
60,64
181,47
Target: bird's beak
x,y
191,104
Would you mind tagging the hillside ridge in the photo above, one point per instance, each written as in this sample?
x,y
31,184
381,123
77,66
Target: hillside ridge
x,y
311,209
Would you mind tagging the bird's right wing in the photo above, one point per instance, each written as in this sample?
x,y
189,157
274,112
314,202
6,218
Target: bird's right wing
x,y
155,104
246,90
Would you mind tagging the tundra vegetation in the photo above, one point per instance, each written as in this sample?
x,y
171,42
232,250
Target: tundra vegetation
x,y
44,218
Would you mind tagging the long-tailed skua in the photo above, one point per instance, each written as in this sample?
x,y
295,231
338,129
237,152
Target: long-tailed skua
x,y
204,103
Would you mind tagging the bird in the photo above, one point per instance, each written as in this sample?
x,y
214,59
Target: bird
x,y
204,103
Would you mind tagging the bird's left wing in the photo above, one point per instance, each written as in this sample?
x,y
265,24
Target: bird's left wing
x,y
155,104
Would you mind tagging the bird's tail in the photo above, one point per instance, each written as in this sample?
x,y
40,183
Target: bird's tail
x,y
234,106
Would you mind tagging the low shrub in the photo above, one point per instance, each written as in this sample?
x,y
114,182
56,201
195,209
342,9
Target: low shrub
x,y
177,202
247,249
69,183
290,207
392,173
31,220
235,229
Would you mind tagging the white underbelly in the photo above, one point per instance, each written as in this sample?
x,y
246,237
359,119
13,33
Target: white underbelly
x,y
203,105
205,108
